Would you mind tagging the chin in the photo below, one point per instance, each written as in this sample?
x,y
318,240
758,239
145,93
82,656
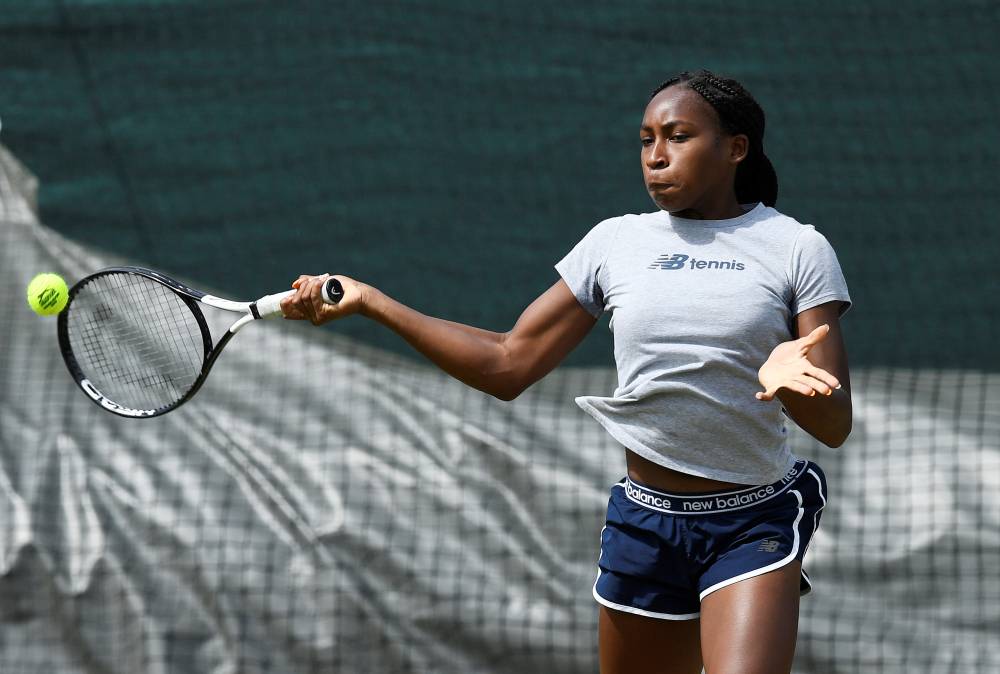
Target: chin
x,y
667,204
669,200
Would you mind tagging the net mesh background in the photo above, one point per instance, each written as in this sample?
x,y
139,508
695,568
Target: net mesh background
x,y
330,502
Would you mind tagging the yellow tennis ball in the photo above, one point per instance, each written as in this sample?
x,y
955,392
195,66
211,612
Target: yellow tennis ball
x,y
47,294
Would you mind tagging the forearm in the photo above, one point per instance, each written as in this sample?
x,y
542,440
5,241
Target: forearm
x,y
826,418
473,356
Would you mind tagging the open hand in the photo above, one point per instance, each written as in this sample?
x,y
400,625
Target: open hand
x,y
788,367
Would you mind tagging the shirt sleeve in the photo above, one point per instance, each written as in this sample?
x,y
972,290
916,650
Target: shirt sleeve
x,y
815,273
583,267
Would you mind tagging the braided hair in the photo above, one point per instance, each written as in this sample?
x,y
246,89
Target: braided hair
x,y
738,113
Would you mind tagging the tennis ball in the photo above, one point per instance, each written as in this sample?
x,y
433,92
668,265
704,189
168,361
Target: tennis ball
x,y
47,294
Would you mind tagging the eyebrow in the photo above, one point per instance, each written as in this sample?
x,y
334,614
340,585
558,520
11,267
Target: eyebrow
x,y
670,123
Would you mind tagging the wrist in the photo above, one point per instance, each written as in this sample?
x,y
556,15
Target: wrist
x,y
369,297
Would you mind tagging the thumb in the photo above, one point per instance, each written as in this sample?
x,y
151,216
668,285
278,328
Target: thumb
x,y
816,336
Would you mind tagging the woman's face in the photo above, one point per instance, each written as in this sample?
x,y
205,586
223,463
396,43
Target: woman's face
x,y
688,161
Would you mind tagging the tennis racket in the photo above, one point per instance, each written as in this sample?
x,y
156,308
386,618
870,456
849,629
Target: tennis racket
x,y
137,342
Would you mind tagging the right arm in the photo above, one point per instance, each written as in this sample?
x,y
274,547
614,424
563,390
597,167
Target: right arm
x,y
501,364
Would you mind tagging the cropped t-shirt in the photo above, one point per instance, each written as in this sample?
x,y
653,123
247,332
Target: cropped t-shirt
x,y
696,308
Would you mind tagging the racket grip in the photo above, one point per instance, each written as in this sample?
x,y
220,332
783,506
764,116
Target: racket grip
x,y
333,291
269,306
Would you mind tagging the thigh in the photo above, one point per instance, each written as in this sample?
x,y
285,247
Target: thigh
x,y
750,627
630,643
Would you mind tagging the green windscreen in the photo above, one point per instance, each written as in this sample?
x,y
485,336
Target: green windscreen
x,y
450,154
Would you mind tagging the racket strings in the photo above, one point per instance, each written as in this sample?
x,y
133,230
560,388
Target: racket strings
x,y
138,343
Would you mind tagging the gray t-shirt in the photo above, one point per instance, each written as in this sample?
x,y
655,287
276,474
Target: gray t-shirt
x,y
696,308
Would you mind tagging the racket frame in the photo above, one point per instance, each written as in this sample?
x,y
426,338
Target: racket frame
x,y
269,307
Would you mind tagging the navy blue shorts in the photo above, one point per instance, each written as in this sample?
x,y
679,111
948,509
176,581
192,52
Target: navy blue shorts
x,y
661,554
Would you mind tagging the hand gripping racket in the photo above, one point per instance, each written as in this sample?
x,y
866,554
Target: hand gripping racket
x,y
137,343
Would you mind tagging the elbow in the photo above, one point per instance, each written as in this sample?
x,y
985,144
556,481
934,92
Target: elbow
x,y
507,391
506,381
505,396
838,426
509,385
838,437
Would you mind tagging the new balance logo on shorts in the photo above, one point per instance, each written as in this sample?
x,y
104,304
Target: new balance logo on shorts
x,y
679,260
768,546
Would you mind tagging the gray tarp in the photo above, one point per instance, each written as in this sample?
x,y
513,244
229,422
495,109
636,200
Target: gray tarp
x,y
323,506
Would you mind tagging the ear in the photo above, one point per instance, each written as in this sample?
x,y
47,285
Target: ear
x,y
739,147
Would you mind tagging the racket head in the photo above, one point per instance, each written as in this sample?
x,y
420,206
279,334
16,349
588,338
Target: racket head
x,y
135,341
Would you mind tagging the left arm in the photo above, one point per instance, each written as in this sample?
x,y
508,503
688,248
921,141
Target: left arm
x,y
810,377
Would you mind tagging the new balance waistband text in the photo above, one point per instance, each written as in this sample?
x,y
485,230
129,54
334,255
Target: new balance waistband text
x,y
681,504
645,497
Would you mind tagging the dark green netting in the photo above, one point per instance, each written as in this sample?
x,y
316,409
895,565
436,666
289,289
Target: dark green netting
x,y
450,153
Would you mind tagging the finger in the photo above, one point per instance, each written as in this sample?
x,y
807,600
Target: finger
x,y
314,298
300,300
302,279
316,287
800,387
817,385
312,291
824,376
316,290
289,310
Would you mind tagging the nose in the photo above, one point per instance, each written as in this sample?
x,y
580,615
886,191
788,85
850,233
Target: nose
x,y
656,156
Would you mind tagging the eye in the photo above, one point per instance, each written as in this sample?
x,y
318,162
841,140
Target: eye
x,y
679,137
646,142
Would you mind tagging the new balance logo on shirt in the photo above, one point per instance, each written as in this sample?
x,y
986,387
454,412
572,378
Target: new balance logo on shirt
x,y
679,260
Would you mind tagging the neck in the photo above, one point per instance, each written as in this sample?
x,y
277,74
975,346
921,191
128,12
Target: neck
x,y
730,211
723,209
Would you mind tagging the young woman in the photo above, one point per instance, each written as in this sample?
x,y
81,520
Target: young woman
x,y
713,298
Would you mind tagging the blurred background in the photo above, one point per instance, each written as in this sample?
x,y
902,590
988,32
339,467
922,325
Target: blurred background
x,y
330,502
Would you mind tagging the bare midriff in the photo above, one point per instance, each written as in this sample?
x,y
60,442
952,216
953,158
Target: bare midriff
x,y
666,479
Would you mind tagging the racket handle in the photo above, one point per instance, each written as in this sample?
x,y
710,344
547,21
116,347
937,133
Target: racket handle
x,y
269,306
333,291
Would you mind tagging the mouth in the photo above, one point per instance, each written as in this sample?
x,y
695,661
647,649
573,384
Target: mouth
x,y
658,187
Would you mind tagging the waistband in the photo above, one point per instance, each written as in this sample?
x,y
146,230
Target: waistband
x,y
710,502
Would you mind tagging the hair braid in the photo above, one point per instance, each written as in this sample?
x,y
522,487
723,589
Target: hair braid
x,y
667,83
738,113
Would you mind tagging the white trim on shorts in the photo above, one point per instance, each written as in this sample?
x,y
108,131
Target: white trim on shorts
x,y
631,609
770,567
819,489
819,485
638,611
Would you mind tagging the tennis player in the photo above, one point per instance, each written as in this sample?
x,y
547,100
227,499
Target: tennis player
x,y
726,317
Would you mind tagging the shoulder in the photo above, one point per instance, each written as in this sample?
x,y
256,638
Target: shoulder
x,y
607,230
631,219
779,222
797,235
